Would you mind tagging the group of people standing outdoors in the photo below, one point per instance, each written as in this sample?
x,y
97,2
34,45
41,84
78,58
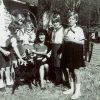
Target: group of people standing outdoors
x,y
65,53
67,47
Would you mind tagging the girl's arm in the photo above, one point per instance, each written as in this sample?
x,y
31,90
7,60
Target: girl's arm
x,y
41,53
5,52
49,53
14,45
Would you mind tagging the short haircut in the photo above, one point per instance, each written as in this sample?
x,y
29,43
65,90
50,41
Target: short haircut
x,y
74,14
56,18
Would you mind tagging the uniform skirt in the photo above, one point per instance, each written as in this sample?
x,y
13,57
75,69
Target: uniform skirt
x,y
72,56
5,61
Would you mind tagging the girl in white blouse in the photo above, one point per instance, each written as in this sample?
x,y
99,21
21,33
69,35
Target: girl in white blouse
x,y
72,56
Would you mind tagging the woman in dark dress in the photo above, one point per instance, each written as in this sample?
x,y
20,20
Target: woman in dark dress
x,y
41,62
72,56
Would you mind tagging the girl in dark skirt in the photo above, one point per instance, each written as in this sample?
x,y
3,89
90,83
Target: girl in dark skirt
x,y
16,42
16,29
72,56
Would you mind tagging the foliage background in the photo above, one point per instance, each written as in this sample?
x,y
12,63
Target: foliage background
x,y
89,13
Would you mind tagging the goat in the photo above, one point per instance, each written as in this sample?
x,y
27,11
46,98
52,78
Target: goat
x,y
25,74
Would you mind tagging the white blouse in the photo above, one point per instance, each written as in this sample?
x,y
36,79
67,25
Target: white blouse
x,y
74,34
4,36
29,38
57,36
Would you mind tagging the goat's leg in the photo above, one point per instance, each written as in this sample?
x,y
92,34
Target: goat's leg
x,y
15,86
29,84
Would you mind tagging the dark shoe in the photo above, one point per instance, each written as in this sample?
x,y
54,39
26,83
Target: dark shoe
x,y
66,84
43,88
58,84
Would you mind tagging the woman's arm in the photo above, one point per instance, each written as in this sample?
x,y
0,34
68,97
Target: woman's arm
x,y
40,53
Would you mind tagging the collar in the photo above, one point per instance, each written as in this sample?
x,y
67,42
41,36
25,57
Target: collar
x,y
41,44
72,28
56,29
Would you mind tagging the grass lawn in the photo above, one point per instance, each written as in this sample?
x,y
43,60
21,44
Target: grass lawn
x,y
90,79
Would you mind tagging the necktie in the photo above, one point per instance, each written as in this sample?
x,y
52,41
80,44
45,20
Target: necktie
x,y
70,29
55,31
54,35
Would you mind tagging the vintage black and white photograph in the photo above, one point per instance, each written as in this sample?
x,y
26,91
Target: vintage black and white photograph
x,y
49,49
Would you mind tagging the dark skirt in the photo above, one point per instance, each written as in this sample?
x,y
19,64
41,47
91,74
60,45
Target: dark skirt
x,y
72,56
55,59
13,55
37,64
5,61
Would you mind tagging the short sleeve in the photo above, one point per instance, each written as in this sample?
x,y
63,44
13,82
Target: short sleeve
x,y
13,41
33,36
35,46
46,48
81,34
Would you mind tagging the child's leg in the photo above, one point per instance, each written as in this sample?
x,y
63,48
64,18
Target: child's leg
x,y
2,72
46,66
7,72
8,77
12,72
71,79
14,65
77,93
41,72
65,76
2,75
58,76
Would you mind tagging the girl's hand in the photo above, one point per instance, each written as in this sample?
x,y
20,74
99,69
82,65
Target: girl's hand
x,y
34,51
44,59
22,62
60,56
68,38
6,53
49,54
